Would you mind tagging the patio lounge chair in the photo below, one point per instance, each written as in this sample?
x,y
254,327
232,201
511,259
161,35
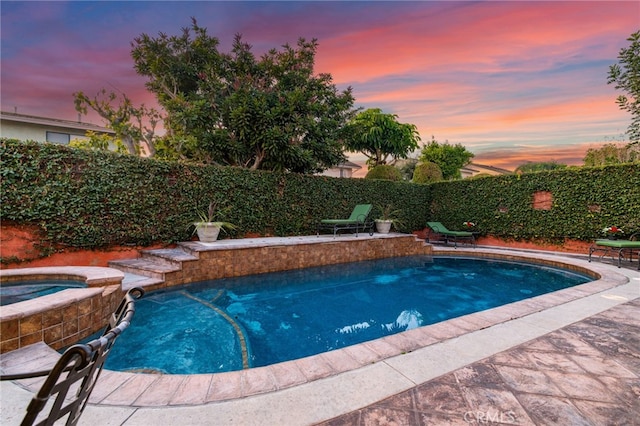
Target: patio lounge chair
x,y
358,221
77,369
437,229
617,247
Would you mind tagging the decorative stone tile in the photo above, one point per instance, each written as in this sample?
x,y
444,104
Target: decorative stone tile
x,y
602,366
51,317
548,410
9,330
441,396
129,390
580,386
498,405
53,334
340,360
31,324
314,367
224,386
477,374
257,380
569,343
287,374
528,380
382,416
30,339
464,418
161,391
553,361
193,390
362,354
601,413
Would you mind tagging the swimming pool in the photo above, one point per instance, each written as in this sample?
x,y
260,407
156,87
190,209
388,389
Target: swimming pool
x,y
236,323
19,291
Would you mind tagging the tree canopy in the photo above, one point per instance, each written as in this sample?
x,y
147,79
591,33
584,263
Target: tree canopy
x,y
450,158
626,76
235,109
380,137
612,153
539,166
133,126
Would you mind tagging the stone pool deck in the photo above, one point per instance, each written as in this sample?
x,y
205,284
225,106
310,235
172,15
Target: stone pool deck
x,y
569,357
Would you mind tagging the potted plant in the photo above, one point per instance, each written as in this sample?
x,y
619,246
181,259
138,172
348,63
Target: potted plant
x,y
612,232
388,217
207,227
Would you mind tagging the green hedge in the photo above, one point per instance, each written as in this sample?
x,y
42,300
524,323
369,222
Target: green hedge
x,y
93,199
584,201
98,199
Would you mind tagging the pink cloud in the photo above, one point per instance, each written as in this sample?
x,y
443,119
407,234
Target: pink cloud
x,y
489,75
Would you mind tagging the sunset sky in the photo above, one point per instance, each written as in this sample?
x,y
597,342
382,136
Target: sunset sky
x,y
512,81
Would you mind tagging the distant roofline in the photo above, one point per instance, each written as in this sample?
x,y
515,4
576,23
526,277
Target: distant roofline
x,y
46,121
484,166
348,165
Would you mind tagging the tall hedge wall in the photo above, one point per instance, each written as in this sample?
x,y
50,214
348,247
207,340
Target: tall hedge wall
x,y
96,199
574,203
99,199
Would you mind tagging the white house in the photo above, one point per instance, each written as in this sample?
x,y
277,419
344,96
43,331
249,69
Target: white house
x,y
44,129
473,169
344,170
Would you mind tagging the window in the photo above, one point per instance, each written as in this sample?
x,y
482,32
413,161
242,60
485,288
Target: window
x,y
62,138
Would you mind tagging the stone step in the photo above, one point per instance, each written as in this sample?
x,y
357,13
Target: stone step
x,y
147,267
133,280
169,255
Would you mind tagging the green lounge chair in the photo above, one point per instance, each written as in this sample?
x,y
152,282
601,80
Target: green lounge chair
x,y
359,220
439,230
619,246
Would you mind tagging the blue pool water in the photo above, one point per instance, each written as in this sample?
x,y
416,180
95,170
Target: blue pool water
x,y
26,290
235,323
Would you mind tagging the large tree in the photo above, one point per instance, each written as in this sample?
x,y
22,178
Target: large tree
x,y
135,127
450,158
626,76
539,166
612,153
234,109
380,137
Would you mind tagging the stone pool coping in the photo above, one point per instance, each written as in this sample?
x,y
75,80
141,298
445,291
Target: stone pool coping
x,y
62,318
157,390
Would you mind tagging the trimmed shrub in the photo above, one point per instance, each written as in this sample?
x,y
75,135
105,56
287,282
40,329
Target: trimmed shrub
x,y
427,172
384,172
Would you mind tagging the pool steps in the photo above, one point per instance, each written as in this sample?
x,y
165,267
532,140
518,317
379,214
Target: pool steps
x,y
193,261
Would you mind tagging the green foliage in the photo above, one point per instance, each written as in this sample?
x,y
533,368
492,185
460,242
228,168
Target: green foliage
x,y
427,173
271,113
95,199
626,76
100,142
384,172
380,136
407,167
540,166
450,158
612,154
584,201
134,126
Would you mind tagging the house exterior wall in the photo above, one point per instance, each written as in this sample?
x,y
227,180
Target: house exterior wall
x,y
35,132
338,172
